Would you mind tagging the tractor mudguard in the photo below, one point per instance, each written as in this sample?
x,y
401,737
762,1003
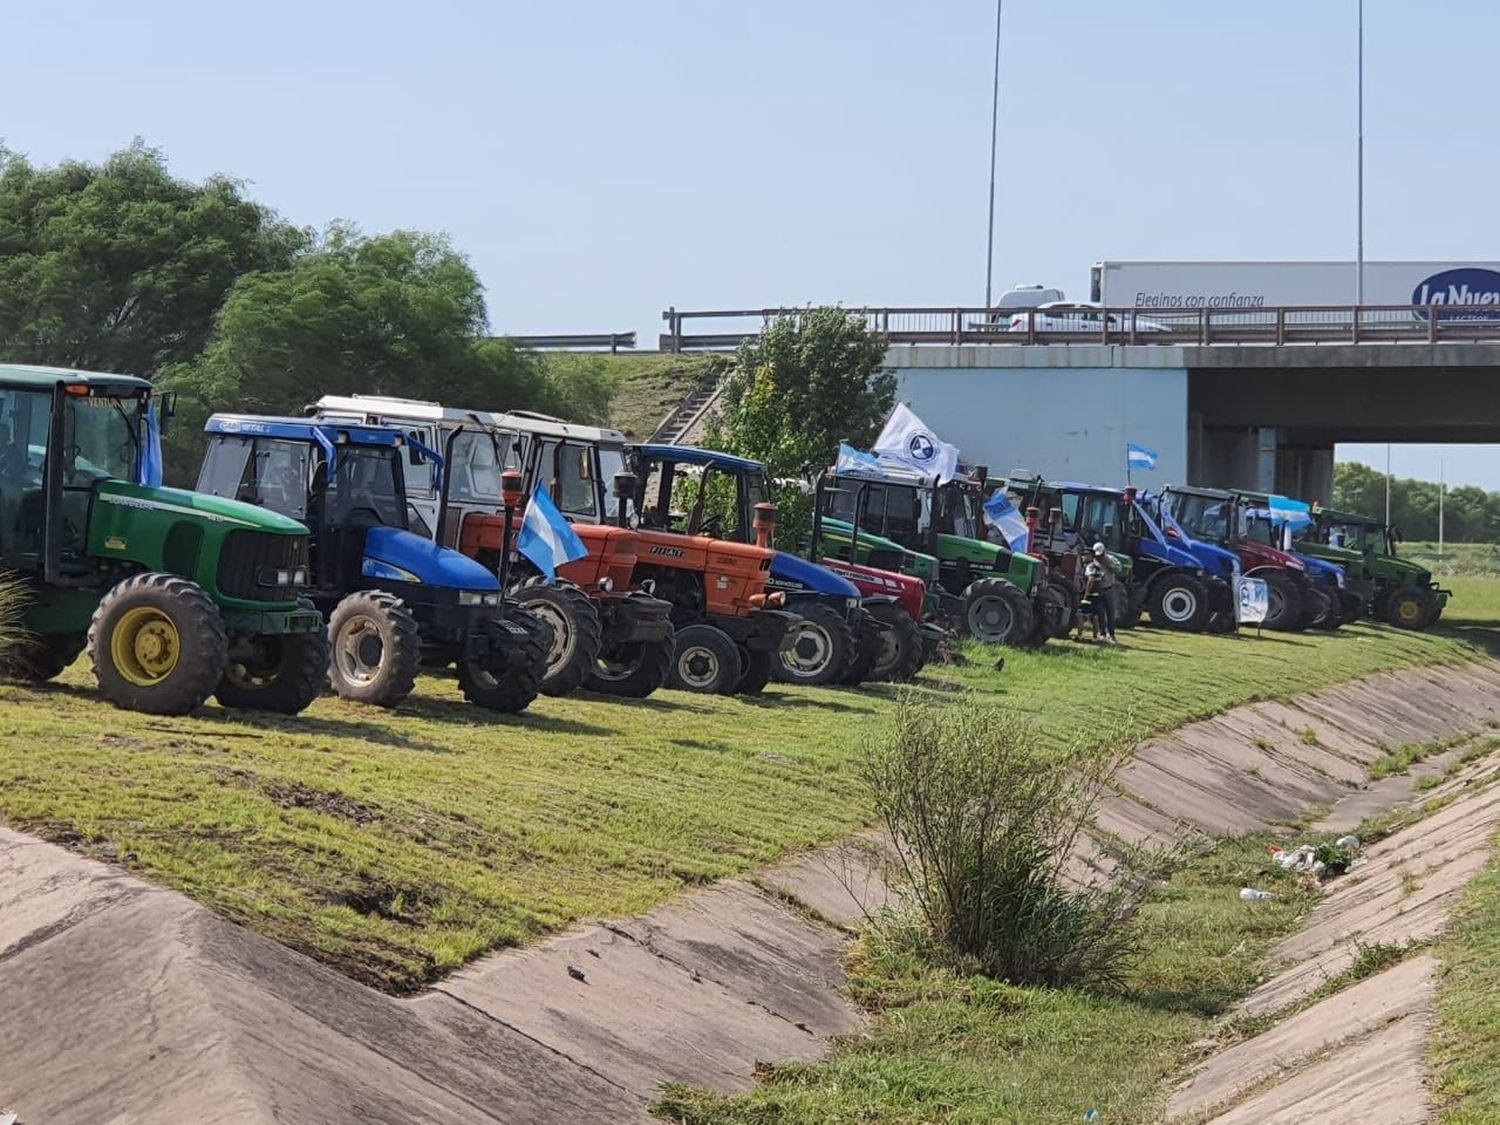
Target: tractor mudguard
x,y
764,630
394,555
634,618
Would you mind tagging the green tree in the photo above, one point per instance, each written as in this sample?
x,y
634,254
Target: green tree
x,y
810,381
399,314
121,266
1470,514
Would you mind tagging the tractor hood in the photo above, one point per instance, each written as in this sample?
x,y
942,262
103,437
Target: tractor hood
x,y
1023,569
1322,569
1393,565
790,573
122,497
1254,553
394,555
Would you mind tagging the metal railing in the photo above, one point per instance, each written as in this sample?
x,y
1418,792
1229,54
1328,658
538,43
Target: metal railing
x,y
596,342
1299,324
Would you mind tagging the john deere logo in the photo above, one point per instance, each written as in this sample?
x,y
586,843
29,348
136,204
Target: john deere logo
x,y
921,447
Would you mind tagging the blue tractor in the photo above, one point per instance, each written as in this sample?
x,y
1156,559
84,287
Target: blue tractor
x,y
394,600
829,641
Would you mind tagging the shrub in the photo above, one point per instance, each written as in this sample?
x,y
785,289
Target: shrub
x,y
14,639
989,831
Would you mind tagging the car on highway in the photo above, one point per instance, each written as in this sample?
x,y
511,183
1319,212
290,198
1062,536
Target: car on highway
x,y
1082,316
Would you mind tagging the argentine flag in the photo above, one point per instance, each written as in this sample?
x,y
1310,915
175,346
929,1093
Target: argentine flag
x,y
1294,513
999,511
855,462
1139,457
547,539
149,472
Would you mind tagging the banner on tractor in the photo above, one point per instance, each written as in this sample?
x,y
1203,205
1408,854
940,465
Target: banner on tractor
x,y
1252,600
1002,514
907,439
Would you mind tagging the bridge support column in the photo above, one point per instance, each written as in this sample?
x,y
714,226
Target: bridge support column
x,y
1305,471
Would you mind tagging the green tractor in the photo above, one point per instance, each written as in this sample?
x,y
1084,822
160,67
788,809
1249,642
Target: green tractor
x,y
983,589
1393,589
177,596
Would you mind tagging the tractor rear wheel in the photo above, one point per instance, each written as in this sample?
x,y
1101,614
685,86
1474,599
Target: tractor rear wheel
x,y
282,673
43,658
757,671
1126,617
1059,605
1352,605
1178,601
1410,607
633,670
902,652
158,644
377,649
1330,614
706,661
1283,603
576,632
819,648
996,612
866,652
509,682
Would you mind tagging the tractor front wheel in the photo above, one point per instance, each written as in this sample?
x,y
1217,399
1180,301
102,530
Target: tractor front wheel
x,y
1283,603
43,658
1330,614
282,673
377,650
1179,601
1410,608
158,645
819,648
633,671
757,667
706,661
902,652
996,612
576,632
508,683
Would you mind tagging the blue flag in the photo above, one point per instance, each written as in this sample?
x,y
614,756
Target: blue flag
x,y
1139,457
999,511
1294,513
149,473
547,539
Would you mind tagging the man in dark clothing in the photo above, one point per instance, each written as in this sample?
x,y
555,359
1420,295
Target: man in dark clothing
x,y
1101,573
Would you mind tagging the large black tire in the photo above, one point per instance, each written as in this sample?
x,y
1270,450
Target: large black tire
x,y
41,658
634,670
706,661
866,653
1326,612
757,671
1177,600
1058,606
902,652
996,612
1351,605
1410,607
376,648
508,683
576,632
1126,617
158,645
283,674
1283,602
819,648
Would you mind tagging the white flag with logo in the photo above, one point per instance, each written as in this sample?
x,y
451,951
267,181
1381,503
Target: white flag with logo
x,y
906,439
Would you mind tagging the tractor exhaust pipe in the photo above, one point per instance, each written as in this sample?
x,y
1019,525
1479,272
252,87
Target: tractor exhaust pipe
x,y
510,498
765,524
622,487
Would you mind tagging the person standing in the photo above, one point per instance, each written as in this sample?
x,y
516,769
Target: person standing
x,y
1102,573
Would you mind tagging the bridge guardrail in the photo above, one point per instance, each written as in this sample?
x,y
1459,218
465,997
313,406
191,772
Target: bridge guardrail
x,y
1292,324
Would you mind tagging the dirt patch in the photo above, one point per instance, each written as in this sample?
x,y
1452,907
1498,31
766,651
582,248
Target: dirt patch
x,y
299,796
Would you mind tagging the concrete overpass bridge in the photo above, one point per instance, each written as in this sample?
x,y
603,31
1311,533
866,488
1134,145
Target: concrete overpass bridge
x,y
1253,399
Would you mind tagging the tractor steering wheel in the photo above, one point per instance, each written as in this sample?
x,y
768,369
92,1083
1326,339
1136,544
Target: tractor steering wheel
x,y
712,526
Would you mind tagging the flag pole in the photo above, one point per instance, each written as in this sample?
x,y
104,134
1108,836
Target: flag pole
x,y
1127,464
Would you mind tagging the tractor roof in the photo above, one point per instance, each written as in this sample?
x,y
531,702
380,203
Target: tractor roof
x,y
303,429
890,472
33,375
530,422
693,455
1345,517
422,410
1195,490
1087,489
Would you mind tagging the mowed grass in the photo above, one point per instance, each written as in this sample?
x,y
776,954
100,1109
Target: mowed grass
x,y
1466,1044
396,846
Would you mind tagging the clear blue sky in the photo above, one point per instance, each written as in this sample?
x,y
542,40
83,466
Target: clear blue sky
x,y
599,161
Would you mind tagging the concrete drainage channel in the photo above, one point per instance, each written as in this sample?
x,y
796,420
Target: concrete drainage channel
x,y
129,1003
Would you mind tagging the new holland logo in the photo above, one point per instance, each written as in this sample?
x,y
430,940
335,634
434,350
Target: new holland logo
x,y
668,552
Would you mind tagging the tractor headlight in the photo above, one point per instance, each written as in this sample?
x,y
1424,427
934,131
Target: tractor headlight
x,y
295,576
479,597
851,603
607,584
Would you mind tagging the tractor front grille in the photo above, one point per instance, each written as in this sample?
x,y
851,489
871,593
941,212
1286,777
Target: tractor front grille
x,y
248,555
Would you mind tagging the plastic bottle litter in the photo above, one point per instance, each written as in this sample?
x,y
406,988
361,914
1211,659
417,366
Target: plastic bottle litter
x,y
1350,842
1091,1115
1250,894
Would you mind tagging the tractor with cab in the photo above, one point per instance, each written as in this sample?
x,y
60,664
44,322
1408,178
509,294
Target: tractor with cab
x,y
1395,590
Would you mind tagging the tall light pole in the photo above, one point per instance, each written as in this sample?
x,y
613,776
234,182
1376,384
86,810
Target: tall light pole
x,y
1359,163
1387,484
989,260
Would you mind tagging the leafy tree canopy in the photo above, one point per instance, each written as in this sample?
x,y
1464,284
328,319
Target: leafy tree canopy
x,y
1470,514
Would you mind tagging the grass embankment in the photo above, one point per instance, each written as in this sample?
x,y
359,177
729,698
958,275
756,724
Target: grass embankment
x,y
1466,1043
397,846
646,386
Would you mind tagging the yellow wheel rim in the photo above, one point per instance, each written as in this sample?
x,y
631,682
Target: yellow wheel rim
x,y
145,647
1409,611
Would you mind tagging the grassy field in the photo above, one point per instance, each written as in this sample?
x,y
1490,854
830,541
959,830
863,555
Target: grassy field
x,y
647,386
397,846
1466,1045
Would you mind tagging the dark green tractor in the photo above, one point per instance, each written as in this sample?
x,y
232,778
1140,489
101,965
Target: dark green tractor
x,y
1395,590
176,595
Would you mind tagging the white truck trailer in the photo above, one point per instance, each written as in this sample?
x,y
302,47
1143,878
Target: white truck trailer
x,y
1256,285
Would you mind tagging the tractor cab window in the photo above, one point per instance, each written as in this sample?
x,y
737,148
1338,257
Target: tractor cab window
x,y
1258,526
611,465
25,424
958,512
420,472
366,487
908,513
1097,513
1202,517
568,468
839,499
275,476
474,469
101,439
